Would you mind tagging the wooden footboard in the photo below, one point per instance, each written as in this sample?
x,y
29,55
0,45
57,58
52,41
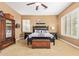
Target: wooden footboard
x,y
40,43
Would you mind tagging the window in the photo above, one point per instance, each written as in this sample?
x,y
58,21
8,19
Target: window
x,y
70,23
26,25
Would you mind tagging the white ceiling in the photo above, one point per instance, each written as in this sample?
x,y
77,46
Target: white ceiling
x,y
54,8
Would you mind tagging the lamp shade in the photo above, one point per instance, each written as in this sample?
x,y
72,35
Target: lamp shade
x,y
53,27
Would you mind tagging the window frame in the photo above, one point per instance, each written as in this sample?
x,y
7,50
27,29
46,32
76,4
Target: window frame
x,y
64,25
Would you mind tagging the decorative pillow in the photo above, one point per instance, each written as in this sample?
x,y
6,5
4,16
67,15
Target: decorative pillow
x,y
37,31
44,31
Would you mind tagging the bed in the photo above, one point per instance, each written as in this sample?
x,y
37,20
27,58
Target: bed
x,y
40,32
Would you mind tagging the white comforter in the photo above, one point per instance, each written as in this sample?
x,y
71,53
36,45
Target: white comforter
x,y
41,35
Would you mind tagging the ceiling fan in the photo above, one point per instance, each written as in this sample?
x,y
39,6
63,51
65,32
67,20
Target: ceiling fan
x,y
37,4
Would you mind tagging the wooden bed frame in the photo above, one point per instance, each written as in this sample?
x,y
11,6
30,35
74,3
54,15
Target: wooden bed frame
x,y
39,28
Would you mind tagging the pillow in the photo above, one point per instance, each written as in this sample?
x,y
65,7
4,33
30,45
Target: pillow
x,y
44,31
37,31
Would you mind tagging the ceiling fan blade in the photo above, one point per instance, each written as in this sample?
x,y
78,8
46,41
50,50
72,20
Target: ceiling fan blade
x,y
44,5
30,3
37,7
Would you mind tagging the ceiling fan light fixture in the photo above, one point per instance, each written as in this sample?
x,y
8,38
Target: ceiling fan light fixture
x,y
37,4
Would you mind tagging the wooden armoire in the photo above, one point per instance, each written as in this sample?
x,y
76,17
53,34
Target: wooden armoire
x,y
7,30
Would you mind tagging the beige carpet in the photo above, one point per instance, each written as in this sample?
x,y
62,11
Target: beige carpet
x,y
21,49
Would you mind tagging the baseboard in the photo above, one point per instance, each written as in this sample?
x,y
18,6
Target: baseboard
x,y
70,43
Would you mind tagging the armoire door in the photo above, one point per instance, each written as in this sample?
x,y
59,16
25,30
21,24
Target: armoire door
x,y
13,30
8,30
2,27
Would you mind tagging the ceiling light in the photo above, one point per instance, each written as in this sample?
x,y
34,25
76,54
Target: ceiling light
x,y
37,4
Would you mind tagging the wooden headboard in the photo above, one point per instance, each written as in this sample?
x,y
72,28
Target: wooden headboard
x,y
40,28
